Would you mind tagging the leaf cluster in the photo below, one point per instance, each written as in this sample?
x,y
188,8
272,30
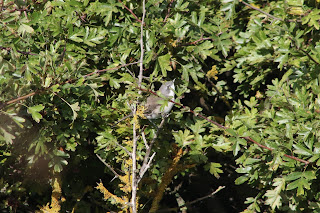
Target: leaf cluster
x,y
68,73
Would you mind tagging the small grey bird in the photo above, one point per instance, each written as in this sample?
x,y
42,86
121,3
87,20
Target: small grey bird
x,y
153,103
153,109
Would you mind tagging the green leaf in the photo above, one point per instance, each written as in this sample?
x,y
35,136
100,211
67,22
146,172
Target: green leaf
x,y
7,136
25,29
18,120
57,168
231,132
75,107
300,149
75,36
164,62
241,179
34,111
114,83
183,138
214,169
47,82
282,59
229,7
274,196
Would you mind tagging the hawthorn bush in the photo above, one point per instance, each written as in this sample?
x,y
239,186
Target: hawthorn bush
x,y
246,107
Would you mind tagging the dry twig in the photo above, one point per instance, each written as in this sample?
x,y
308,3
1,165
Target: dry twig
x,y
135,16
116,175
261,11
147,160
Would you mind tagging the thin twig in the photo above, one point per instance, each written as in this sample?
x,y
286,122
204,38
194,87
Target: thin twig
x,y
124,148
261,11
144,140
309,56
134,183
42,90
20,98
141,44
109,69
270,149
147,166
63,53
146,163
303,51
195,42
19,51
136,17
192,202
130,72
207,196
109,167
26,53
168,11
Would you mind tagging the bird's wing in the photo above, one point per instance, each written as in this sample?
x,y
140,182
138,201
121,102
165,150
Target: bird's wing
x,y
151,103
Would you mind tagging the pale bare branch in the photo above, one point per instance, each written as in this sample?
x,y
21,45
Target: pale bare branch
x,y
146,161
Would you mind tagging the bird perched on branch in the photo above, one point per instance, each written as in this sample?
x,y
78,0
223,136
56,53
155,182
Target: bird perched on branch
x,y
153,104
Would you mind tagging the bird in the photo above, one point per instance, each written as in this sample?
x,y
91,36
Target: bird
x,y
153,106
154,109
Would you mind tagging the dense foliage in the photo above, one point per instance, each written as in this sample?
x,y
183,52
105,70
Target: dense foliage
x,y
69,71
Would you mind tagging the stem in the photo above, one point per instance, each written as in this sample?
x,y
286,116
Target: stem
x,y
135,138
134,167
116,175
39,91
136,17
197,41
168,11
147,160
141,44
261,11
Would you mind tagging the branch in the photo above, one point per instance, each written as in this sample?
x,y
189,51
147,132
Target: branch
x,y
207,196
141,44
42,90
136,17
116,175
302,50
270,149
225,128
144,139
108,69
168,11
261,11
146,160
20,98
22,52
124,148
146,167
192,202
195,42
134,185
